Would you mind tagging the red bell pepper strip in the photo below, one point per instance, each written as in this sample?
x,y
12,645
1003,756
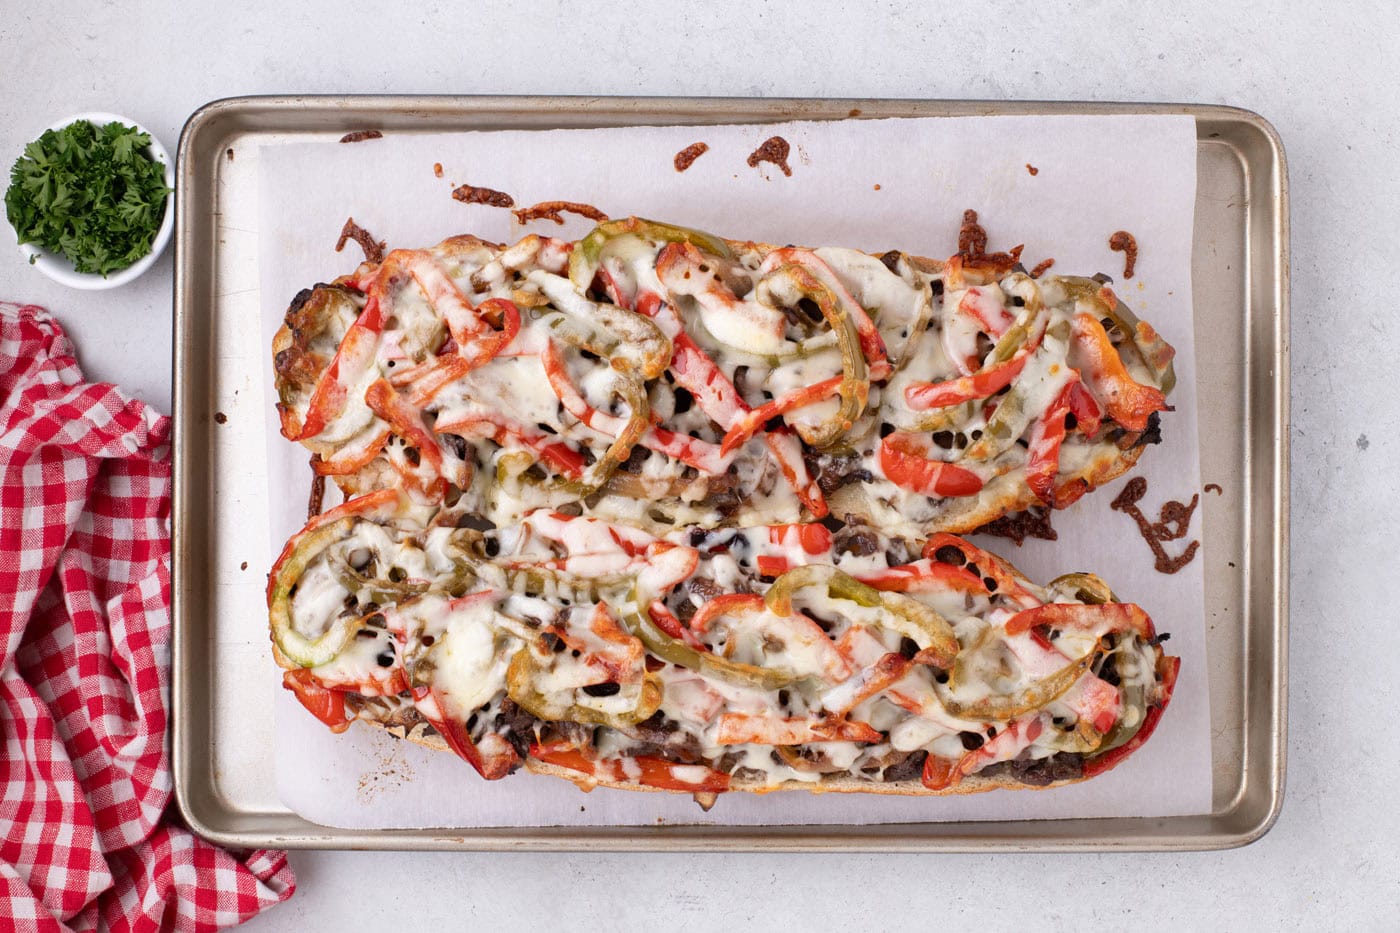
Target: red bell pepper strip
x,y
692,367
657,563
1043,453
504,315
486,346
787,450
1098,619
904,461
887,671
1041,642
733,413
642,769
1047,436
924,576
872,345
988,566
407,422
746,728
723,605
394,683
612,289
1168,670
749,423
695,372
704,456
625,659
475,341
443,371
622,657
922,396
940,773
813,538
354,355
769,566
1071,492
668,623
994,320
1092,699
668,565
984,383
321,701
715,394
1127,402
350,460
558,455
1087,414
493,758
464,322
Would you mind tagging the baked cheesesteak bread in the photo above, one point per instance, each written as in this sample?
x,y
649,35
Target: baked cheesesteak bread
x,y
664,378
708,660
663,511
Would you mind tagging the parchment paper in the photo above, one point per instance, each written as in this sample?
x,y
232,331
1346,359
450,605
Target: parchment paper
x,y
873,185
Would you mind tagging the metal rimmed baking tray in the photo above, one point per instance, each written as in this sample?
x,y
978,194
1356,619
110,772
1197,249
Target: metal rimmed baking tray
x,y
222,694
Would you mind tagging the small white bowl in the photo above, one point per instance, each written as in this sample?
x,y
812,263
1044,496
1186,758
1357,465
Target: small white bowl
x,y
59,268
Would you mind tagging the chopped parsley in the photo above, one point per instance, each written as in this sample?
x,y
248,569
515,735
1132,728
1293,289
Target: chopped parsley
x,y
90,193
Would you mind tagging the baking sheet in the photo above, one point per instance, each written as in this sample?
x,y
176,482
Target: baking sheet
x,y
852,184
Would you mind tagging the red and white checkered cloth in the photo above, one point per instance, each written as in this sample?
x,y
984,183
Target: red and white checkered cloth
x,y
90,835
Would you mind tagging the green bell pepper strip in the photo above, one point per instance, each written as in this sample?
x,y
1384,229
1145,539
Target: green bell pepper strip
x,y
1134,709
511,467
380,591
1155,352
524,668
1122,741
957,400
296,557
1034,696
1011,418
628,340
631,389
638,621
588,254
1086,587
702,455
854,389
904,615
1083,739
